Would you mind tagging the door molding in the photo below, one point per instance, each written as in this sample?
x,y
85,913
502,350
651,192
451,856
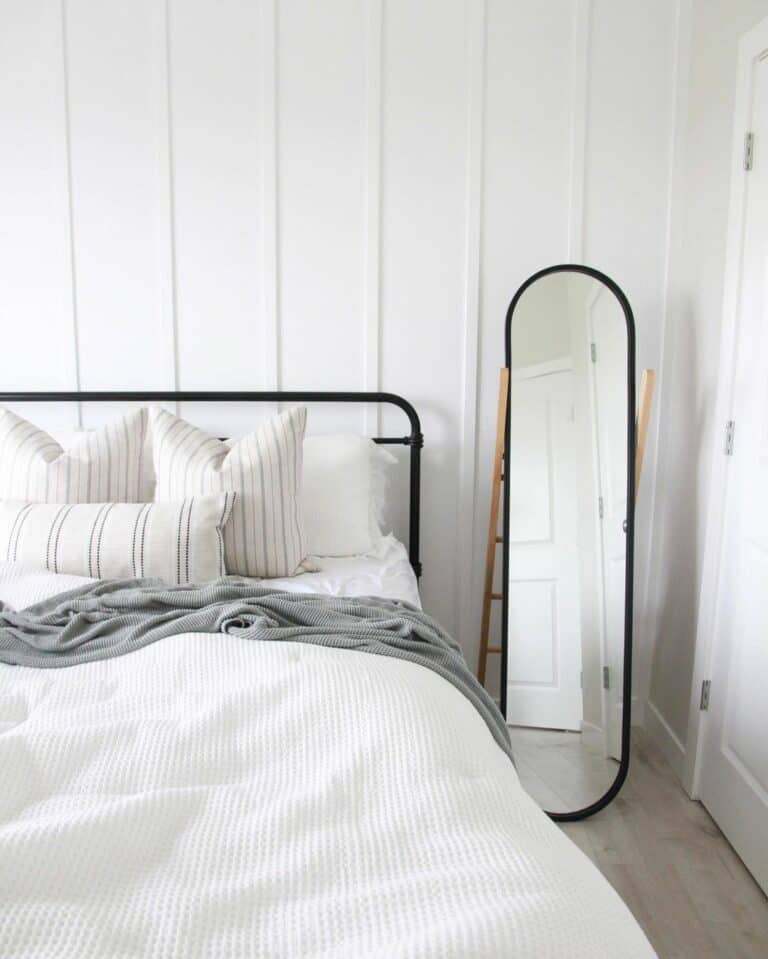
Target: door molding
x,y
752,47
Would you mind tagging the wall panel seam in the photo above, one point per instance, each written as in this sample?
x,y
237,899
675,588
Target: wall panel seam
x,y
372,217
167,240
468,448
73,373
270,280
578,133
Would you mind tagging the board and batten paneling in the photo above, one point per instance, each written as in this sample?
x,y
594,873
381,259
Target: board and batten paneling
x,y
229,193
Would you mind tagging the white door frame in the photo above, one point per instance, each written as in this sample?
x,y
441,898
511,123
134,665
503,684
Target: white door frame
x,y
602,599
752,46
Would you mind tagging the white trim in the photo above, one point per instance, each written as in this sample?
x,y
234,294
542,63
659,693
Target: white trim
x,y
560,364
582,21
645,643
752,45
593,737
166,239
72,347
372,221
270,201
465,567
663,736
637,716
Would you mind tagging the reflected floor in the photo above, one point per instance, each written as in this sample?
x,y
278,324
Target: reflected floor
x,y
558,770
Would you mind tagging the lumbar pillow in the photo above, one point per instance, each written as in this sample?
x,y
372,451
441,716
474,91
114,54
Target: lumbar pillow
x,y
344,476
175,542
266,534
103,465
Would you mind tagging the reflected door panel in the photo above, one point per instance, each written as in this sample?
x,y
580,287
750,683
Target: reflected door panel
x,y
544,666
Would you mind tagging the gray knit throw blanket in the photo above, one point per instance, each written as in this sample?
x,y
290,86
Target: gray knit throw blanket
x,y
115,617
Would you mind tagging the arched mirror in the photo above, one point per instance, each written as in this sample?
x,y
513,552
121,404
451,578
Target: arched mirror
x,y
568,537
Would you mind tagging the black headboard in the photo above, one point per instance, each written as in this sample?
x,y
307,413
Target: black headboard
x,y
414,440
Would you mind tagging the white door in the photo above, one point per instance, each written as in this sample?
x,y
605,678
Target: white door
x,y
609,381
544,665
733,770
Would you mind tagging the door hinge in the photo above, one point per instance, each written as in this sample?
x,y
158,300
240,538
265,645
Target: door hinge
x,y
730,429
606,677
704,701
749,150
593,352
600,507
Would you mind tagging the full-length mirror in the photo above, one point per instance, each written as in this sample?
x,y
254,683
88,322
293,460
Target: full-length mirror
x,y
568,505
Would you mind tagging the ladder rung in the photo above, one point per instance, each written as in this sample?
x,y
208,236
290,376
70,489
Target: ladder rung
x,y
494,649
497,596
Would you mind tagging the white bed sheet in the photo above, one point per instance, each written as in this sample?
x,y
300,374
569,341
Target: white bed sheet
x,y
211,796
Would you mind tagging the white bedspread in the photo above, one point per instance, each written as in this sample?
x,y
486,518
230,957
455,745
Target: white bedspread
x,y
208,796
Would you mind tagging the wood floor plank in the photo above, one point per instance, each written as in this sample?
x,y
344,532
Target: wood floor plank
x,y
673,867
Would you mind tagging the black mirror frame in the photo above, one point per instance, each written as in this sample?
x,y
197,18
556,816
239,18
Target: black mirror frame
x,y
626,719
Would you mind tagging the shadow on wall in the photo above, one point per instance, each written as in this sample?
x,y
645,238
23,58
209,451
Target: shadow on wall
x,y
687,454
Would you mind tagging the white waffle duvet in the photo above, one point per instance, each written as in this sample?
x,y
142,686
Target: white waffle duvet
x,y
208,796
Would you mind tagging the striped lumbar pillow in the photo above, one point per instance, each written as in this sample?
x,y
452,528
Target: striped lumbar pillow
x,y
103,465
266,535
175,542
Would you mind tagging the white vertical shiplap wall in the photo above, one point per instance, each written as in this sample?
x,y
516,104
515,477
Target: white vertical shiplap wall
x,y
239,194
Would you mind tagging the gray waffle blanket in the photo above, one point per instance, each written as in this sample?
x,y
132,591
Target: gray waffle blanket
x,y
111,618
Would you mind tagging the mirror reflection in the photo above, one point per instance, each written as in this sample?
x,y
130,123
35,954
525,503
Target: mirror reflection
x,y
567,476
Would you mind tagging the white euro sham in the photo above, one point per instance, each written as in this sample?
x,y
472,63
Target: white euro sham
x,y
265,536
101,465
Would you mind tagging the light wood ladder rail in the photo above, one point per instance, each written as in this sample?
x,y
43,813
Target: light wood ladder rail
x,y
497,476
493,525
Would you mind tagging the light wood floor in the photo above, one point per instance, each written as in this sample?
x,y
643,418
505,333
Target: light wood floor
x,y
559,770
672,866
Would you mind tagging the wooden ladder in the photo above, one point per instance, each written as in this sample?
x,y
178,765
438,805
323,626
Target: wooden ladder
x,y
643,420
493,526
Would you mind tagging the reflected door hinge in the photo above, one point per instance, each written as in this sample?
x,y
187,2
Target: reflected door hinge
x,y
600,507
749,150
704,701
606,677
730,429
593,352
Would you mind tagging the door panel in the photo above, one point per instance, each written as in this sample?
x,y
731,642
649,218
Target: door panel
x,y
544,664
734,758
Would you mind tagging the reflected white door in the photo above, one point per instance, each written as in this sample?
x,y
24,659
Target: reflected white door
x,y
544,665
734,754
609,366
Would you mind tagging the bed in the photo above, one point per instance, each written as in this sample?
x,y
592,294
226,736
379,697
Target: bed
x,y
210,796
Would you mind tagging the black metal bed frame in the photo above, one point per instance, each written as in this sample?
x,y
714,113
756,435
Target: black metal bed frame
x,y
414,440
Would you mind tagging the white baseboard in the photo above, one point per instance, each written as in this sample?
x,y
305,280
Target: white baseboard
x,y
638,711
665,738
593,737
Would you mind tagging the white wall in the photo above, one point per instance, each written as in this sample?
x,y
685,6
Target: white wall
x,y
705,97
240,194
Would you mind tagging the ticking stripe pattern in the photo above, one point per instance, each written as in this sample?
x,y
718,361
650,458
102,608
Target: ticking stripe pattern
x,y
265,536
103,465
178,543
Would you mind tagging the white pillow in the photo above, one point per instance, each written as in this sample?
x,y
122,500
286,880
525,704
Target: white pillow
x,y
103,465
342,494
175,542
265,537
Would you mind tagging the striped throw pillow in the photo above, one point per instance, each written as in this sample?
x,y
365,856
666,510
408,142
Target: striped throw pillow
x,y
265,537
175,542
102,465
